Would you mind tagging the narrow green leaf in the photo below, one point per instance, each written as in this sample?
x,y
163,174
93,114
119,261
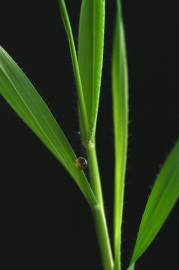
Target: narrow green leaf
x,y
160,203
120,118
21,95
90,55
131,267
83,117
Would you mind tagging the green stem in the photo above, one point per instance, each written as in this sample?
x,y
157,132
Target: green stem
x,y
98,211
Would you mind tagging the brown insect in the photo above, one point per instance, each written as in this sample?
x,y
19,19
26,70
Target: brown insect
x,y
81,163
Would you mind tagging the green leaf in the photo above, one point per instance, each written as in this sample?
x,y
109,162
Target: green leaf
x,y
160,203
120,118
21,95
131,267
83,117
90,56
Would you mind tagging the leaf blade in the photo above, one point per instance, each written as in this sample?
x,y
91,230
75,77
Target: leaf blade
x,y
120,123
90,55
83,116
131,267
160,203
21,95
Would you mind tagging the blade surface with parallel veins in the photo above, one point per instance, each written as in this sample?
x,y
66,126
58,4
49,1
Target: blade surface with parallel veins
x,y
162,199
21,95
90,56
120,120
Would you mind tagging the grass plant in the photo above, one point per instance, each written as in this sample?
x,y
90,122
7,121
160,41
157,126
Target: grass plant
x,y
87,61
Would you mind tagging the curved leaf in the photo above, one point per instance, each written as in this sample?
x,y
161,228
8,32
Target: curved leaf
x,y
27,103
160,203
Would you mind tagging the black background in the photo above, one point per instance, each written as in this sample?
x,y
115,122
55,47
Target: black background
x,y
46,222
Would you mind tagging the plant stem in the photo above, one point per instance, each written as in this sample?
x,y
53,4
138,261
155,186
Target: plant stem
x,y
103,237
98,211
